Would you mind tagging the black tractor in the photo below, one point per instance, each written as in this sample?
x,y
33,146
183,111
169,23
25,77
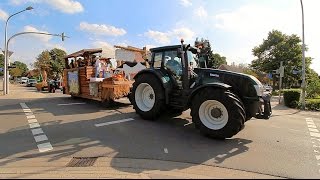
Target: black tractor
x,y
220,101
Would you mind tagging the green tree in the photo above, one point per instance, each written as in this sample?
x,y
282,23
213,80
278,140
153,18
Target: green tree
x,y
51,63
276,48
20,70
57,61
213,60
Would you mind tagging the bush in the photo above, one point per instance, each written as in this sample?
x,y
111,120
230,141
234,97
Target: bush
x,y
313,89
291,97
313,104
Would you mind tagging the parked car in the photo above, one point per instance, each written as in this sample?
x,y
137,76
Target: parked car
x,y
31,83
24,80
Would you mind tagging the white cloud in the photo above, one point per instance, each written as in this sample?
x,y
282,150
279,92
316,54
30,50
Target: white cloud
x,y
65,6
159,37
201,12
101,44
185,3
250,24
184,33
167,37
43,38
3,15
102,29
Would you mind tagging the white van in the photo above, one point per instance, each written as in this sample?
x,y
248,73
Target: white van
x,y
24,80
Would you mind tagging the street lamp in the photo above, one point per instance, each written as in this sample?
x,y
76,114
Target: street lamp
x,y
62,35
6,72
303,62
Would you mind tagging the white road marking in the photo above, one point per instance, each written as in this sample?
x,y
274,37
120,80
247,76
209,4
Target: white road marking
x,y
311,123
31,117
36,131
114,122
34,125
313,130
70,104
44,147
40,138
315,134
24,106
166,150
312,126
32,121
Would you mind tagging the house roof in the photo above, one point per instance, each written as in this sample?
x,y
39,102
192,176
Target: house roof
x,y
81,52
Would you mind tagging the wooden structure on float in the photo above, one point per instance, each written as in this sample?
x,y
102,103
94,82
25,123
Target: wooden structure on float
x,y
79,80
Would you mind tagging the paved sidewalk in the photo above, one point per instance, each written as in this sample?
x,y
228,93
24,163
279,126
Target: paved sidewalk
x,y
106,167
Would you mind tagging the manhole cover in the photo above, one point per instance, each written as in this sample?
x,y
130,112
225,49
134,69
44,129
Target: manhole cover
x,y
82,162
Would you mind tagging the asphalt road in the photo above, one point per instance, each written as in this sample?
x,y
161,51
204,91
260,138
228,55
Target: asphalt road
x,y
287,145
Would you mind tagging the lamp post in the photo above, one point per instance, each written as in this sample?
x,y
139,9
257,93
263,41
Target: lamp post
x,y
62,35
303,63
6,72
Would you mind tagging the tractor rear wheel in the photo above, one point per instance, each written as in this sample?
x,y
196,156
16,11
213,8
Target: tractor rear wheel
x,y
148,96
217,113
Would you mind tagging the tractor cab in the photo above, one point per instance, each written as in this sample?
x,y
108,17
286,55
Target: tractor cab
x,y
178,62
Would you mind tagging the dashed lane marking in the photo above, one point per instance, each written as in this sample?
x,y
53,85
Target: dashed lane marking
x,y
40,138
313,130
70,104
44,147
34,125
114,122
31,117
37,132
32,121
314,133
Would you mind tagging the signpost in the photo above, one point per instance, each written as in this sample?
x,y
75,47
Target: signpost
x,y
281,72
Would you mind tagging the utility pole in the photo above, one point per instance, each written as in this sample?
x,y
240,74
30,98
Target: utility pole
x,y
281,72
303,63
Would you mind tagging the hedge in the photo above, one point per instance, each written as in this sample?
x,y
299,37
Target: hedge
x,y
291,97
313,104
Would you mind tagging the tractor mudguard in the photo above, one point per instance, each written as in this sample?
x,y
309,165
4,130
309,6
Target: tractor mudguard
x,y
161,77
213,85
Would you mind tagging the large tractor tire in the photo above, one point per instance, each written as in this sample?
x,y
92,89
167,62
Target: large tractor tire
x,y
148,97
217,113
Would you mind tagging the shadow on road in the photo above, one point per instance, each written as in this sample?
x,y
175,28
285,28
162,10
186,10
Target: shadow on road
x,y
138,139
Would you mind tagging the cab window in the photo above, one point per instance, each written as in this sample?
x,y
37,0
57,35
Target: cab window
x,y
157,60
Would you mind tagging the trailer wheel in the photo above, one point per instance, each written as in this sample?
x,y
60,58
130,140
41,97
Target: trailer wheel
x,y
217,113
148,96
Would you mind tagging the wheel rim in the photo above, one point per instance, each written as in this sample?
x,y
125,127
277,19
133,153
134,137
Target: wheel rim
x,y
145,97
213,114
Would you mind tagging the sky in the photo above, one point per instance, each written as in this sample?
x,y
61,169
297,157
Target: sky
x,y
233,27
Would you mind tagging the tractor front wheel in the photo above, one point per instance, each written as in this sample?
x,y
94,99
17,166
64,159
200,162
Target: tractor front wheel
x,y
148,96
217,113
